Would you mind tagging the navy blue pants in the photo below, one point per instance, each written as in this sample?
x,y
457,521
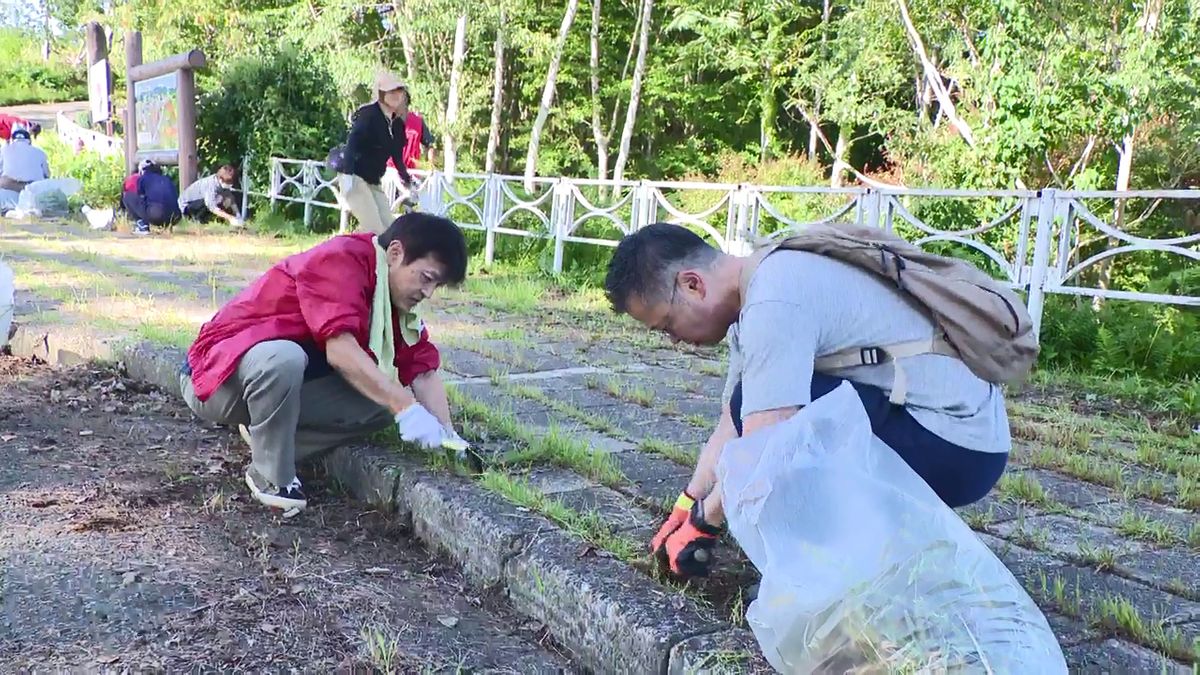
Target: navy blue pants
x,y
959,476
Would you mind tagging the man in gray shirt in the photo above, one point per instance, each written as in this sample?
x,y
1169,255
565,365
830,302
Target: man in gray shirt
x,y
951,429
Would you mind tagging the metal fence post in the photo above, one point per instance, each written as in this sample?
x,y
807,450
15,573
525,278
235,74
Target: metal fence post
x,y
275,180
1041,256
738,234
492,199
869,209
245,186
561,214
308,193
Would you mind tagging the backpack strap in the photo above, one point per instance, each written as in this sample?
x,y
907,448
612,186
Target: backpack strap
x,y
861,356
874,356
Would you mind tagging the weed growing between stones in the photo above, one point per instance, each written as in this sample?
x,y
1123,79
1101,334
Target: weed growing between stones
x,y
551,447
587,526
1145,528
1103,558
1022,488
669,450
1120,616
591,420
979,520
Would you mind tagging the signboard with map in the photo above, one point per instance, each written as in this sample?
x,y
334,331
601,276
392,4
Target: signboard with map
x,y
157,101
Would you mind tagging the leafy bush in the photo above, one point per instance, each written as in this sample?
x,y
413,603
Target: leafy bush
x,y
281,101
101,176
29,79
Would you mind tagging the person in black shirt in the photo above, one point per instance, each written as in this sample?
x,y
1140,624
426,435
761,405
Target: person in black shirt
x,y
376,134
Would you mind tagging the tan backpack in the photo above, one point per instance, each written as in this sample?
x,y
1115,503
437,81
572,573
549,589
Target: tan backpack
x,y
980,321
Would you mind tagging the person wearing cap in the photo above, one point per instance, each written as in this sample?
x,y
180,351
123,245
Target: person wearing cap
x,y
152,200
377,133
212,196
21,163
10,123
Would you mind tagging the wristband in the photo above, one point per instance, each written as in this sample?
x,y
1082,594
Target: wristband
x,y
685,501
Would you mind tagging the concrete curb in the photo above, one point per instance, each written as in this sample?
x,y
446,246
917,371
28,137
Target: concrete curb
x,y
612,618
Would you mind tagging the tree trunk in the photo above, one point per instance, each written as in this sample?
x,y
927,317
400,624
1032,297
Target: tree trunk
x,y
450,154
1148,24
635,92
814,131
404,19
945,103
598,134
839,159
497,96
535,135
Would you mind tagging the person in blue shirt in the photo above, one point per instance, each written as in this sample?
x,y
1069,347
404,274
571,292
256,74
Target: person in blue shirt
x,y
155,202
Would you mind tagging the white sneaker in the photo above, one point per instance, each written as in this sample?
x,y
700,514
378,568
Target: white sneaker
x,y
289,498
244,433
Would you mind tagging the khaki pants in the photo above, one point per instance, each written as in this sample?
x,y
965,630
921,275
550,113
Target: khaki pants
x,y
369,205
289,420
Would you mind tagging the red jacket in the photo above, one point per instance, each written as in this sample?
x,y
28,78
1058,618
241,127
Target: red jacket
x,y
7,122
131,183
308,298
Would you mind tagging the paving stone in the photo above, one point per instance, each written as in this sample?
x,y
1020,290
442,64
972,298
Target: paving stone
x,y
1029,567
371,473
1068,630
1111,514
469,364
613,618
1068,536
1091,588
729,651
1174,569
615,509
643,423
479,530
553,480
653,477
1118,657
1072,491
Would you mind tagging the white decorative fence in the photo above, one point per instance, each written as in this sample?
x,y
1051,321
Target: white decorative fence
x,y
1032,240
79,137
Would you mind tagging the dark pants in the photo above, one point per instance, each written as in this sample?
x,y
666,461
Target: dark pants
x,y
198,210
152,212
959,476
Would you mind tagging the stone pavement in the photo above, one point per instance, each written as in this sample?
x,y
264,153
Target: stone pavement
x,y
592,425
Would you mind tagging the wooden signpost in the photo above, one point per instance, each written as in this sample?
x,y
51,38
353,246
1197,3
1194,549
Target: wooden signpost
x,y
168,90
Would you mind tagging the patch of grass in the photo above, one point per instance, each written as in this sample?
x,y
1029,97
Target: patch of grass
x,y
637,394
514,335
1139,526
591,420
556,447
382,650
699,421
173,335
979,520
1103,558
1094,470
669,450
587,526
1034,538
1118,615
509,294
1022,488
1187,492
1154,489
737,609
724,662
710,368
1193,536
1068,600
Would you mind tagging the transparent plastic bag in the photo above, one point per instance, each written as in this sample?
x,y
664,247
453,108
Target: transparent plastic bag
x,y
864,569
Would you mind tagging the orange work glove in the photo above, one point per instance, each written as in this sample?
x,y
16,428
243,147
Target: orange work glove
x,y
690,547
679,515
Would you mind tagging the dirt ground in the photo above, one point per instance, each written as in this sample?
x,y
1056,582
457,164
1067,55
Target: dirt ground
x,y
128,543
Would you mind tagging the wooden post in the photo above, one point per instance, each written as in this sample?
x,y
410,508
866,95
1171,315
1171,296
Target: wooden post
x,y
133,58
188,159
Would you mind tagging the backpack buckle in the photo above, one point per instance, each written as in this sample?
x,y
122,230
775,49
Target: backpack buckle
x,y
872,356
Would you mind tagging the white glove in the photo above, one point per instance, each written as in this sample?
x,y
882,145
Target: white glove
x,y
345,182
418,425
454,440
